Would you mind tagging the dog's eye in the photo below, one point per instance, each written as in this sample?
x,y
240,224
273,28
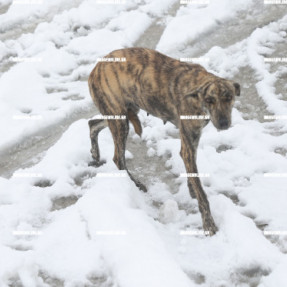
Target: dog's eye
x,y
227,99
210,100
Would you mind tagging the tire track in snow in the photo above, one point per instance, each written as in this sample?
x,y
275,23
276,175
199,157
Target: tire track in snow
x,y
24,26
31,148
152,35
235,30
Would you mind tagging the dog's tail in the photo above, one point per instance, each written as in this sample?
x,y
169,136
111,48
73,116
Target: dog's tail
x,y
133,117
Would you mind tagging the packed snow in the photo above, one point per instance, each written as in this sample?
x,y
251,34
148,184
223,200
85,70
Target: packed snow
x,y
63,224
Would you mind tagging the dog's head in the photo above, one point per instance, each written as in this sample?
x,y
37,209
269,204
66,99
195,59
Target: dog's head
x,y
218,98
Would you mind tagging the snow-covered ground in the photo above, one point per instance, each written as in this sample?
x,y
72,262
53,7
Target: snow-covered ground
x,y
63,224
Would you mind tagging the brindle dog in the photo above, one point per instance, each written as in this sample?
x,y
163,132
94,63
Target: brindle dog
x,y
165,88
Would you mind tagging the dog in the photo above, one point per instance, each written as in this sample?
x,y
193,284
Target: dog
x,y
139,78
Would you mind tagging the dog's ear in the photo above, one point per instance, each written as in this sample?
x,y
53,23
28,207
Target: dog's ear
x,y
237,89
192,95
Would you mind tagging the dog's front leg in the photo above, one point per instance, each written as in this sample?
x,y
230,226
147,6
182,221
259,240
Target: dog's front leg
x,y
189,143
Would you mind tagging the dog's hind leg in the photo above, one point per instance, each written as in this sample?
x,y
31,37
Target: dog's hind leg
x,y
95,127
120,130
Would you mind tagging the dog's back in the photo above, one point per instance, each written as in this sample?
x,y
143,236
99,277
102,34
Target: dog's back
x,y
146,79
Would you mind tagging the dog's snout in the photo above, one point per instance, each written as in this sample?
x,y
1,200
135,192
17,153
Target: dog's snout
x,y
223,123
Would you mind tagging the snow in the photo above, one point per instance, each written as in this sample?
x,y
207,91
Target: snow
x,y
199,20
63,224
168,212
265,87
5,2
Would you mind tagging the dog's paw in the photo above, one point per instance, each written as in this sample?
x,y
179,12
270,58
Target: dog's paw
x,y
141,186
209,226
